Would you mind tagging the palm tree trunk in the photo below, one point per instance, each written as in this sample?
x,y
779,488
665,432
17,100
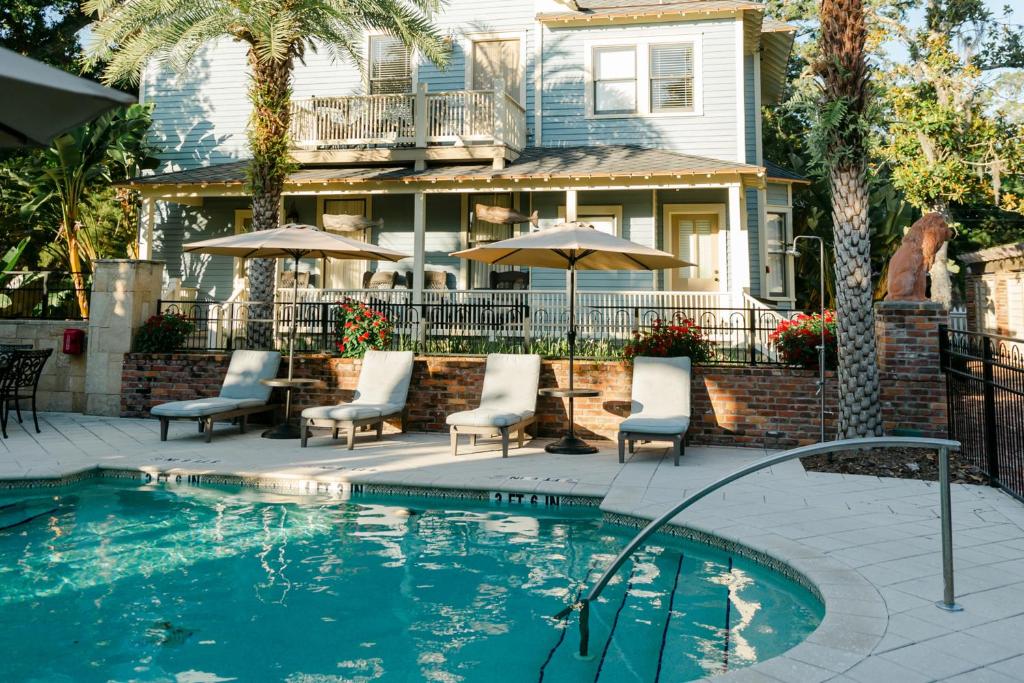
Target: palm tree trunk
x,y
859,409
270,94
75,263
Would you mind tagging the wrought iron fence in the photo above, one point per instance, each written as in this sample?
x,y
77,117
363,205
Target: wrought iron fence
x,y
741,336
45,295
985,394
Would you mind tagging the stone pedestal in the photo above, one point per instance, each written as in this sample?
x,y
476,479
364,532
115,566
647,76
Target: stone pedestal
x,y
124,294
913,388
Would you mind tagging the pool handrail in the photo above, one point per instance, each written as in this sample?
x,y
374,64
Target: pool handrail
x,y
943,446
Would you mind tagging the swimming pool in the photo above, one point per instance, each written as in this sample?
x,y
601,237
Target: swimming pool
x,y
120,581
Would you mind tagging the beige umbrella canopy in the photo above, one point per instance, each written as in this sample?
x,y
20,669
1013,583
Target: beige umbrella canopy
x,y
573,246
297,242
576,246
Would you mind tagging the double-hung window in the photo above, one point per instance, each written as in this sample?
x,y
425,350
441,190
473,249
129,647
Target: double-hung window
x,y
390,66
615,80
671,77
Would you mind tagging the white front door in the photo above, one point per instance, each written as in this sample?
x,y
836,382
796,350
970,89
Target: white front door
x,y
243,223
346,273
696,238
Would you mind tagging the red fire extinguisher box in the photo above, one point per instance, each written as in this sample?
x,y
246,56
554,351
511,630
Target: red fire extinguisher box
x,y
74,342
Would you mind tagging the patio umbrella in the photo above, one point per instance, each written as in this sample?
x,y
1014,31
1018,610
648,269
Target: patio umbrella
x,y
572,247
41,102
297,242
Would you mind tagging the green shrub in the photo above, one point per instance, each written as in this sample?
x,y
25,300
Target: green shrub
x,y
163,333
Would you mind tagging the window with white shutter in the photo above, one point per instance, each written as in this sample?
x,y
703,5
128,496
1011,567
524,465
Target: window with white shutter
x,y
671,77
390,66
614,80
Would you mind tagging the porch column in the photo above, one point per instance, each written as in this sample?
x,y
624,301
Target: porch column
x,y
419,244
739,258
147,221
570,206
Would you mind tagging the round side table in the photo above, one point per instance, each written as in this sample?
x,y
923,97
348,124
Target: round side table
x,y
570,443
287,430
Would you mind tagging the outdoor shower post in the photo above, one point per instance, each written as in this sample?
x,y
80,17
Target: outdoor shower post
x,y
948,602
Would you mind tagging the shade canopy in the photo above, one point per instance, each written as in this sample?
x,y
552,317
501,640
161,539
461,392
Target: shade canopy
x,y
573,244
294,241
40,102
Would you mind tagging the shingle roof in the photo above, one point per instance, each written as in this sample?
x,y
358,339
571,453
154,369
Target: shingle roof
x,y
599,161
997,253
776,172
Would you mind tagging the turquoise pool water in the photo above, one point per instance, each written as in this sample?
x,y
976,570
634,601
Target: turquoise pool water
x,y
127,582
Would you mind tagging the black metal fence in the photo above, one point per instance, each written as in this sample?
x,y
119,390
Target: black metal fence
x,y
45,295
740,336
985,391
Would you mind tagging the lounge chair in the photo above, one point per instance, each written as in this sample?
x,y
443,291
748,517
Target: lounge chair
x,y
660,404
381,393
507,402
241,395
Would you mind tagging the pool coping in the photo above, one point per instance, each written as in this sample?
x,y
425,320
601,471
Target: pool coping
x,y
855,617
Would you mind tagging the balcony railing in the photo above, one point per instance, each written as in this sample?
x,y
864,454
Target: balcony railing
x,y
458,118
478,321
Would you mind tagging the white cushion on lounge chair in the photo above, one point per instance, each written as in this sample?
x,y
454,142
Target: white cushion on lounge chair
x,y
662,425
660,396
246,370
201,407
384,378
486,417
351,411
510,383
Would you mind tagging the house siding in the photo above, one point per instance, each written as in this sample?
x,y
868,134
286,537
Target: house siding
x,y
178,225
778,194
712,134
754,240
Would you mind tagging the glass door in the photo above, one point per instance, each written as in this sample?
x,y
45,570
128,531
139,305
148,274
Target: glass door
x,y
346,273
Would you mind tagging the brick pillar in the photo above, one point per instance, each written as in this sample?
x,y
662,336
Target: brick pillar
x,y
913,388
124,295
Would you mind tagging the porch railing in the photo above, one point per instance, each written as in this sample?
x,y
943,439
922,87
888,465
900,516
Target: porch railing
x,y
480,321
453,118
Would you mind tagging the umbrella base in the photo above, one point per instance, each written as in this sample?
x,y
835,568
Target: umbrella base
x,y
570,445
285,430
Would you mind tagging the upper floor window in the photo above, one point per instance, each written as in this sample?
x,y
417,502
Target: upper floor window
x,y
777,265
390,67
615,80
649,77
671,75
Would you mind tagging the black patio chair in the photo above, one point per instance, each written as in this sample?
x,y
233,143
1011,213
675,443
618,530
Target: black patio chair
x,y
21,374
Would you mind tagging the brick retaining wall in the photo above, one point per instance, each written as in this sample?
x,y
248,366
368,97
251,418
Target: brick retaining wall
x,y
730,405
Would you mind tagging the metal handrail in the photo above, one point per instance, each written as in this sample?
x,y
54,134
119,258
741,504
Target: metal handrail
x,y
943,446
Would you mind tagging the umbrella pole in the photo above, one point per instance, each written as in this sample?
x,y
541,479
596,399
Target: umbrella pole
x,y
295,310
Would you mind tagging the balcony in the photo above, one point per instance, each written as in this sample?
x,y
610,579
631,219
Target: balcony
x,y
457,125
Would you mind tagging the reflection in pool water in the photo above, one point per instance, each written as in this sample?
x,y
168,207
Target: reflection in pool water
x,y
126,582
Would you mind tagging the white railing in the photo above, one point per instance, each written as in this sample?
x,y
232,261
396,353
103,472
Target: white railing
x,y
421,119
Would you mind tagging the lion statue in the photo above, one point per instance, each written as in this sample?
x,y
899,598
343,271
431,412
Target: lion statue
x,y
909,266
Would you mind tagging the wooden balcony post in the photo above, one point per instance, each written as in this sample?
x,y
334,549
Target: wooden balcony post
x,y
421,116
500,115
419,245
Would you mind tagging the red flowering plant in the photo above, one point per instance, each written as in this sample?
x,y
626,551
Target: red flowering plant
x,y
797,340
359,328
163,333
678,336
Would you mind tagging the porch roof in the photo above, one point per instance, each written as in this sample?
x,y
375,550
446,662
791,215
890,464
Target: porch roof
x,y
604,162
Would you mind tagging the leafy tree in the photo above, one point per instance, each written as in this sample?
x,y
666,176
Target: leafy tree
x,y
58,185
945,146
840,144
131,33
46,30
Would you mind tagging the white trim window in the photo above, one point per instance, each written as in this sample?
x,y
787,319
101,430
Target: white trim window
x,y
776,235
671,78
614,83
389,68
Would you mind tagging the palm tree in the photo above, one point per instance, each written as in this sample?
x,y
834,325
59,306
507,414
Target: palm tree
x,y
842,135
59,181
131,33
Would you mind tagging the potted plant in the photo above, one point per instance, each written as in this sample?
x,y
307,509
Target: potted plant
x,y
798,338
359,327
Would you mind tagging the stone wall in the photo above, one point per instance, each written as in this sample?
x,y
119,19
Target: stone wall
x,y
62,384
